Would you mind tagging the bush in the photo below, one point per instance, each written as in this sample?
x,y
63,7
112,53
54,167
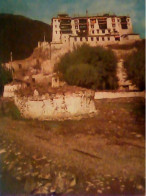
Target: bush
x,y
5,77
9,109
135,66
90,67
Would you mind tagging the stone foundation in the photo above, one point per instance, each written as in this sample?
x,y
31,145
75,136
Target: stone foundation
x,y
57,106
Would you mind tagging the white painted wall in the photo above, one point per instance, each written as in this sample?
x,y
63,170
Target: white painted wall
x,y
115,95
57,106
9,89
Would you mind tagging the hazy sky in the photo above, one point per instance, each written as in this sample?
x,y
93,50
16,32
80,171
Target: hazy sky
x,y
44,9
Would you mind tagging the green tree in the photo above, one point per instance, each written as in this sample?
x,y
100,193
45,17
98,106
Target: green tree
x,y
135,66
90,67
5,77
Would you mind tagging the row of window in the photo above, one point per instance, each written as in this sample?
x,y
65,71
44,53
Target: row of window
x,y
96,39
97,31
94,20
92,26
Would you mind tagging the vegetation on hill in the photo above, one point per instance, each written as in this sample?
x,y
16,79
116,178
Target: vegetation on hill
x,y
20,35
135,66
89,67
137,44
5,77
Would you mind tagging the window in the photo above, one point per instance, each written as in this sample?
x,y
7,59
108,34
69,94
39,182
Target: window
x,y
108,38
118,20
92,26
55,26
76,27
103,30
86,38
97,30
91,38
81,39
56,32
113,20
92,32
75,39
113,25
117,38
109,31
97,38
102,38
55,20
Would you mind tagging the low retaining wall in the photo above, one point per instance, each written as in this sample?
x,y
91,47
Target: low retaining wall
x,y
56,106
114,95
9,89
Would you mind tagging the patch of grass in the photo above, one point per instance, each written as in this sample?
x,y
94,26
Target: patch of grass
x,y
9,109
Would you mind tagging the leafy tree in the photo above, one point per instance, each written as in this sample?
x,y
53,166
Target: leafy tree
x,y
90,67
5,77
135,66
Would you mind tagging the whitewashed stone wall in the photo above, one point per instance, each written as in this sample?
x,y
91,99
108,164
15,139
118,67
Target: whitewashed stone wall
x,y
9,89
56,106
115,95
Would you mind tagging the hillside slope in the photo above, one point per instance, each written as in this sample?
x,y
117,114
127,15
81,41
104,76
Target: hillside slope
x,y
20,35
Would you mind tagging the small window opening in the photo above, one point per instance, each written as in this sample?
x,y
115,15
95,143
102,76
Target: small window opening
x,y
20,66
117,38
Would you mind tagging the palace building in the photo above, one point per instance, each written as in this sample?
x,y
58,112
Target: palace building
x,y
94,30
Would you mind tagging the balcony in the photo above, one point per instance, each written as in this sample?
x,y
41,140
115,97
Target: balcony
x,y
65,27
65,22
83,27
66,31
83,21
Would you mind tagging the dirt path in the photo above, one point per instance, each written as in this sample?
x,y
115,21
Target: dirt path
x,y
103,155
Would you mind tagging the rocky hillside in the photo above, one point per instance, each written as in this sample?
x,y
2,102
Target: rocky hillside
x,y
20,35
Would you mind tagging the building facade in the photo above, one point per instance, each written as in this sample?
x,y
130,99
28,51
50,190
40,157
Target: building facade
x,y
106,29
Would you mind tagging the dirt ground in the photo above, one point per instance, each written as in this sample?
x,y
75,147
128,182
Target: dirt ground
x,y
102,155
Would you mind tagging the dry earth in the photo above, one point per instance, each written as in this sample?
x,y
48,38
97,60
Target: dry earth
x,y
103,155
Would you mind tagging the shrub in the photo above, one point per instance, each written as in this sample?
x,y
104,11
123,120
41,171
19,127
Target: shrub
x,y
90,67
135,66
5,77
9,109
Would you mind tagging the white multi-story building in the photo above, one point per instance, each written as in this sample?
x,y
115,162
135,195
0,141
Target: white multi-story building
x,y
94,30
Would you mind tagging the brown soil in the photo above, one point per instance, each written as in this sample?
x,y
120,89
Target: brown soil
x,y
107,149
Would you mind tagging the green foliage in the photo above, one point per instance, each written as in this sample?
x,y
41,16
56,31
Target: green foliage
x,y
9,109
135,66
90,67
138,44
5,77
20,35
